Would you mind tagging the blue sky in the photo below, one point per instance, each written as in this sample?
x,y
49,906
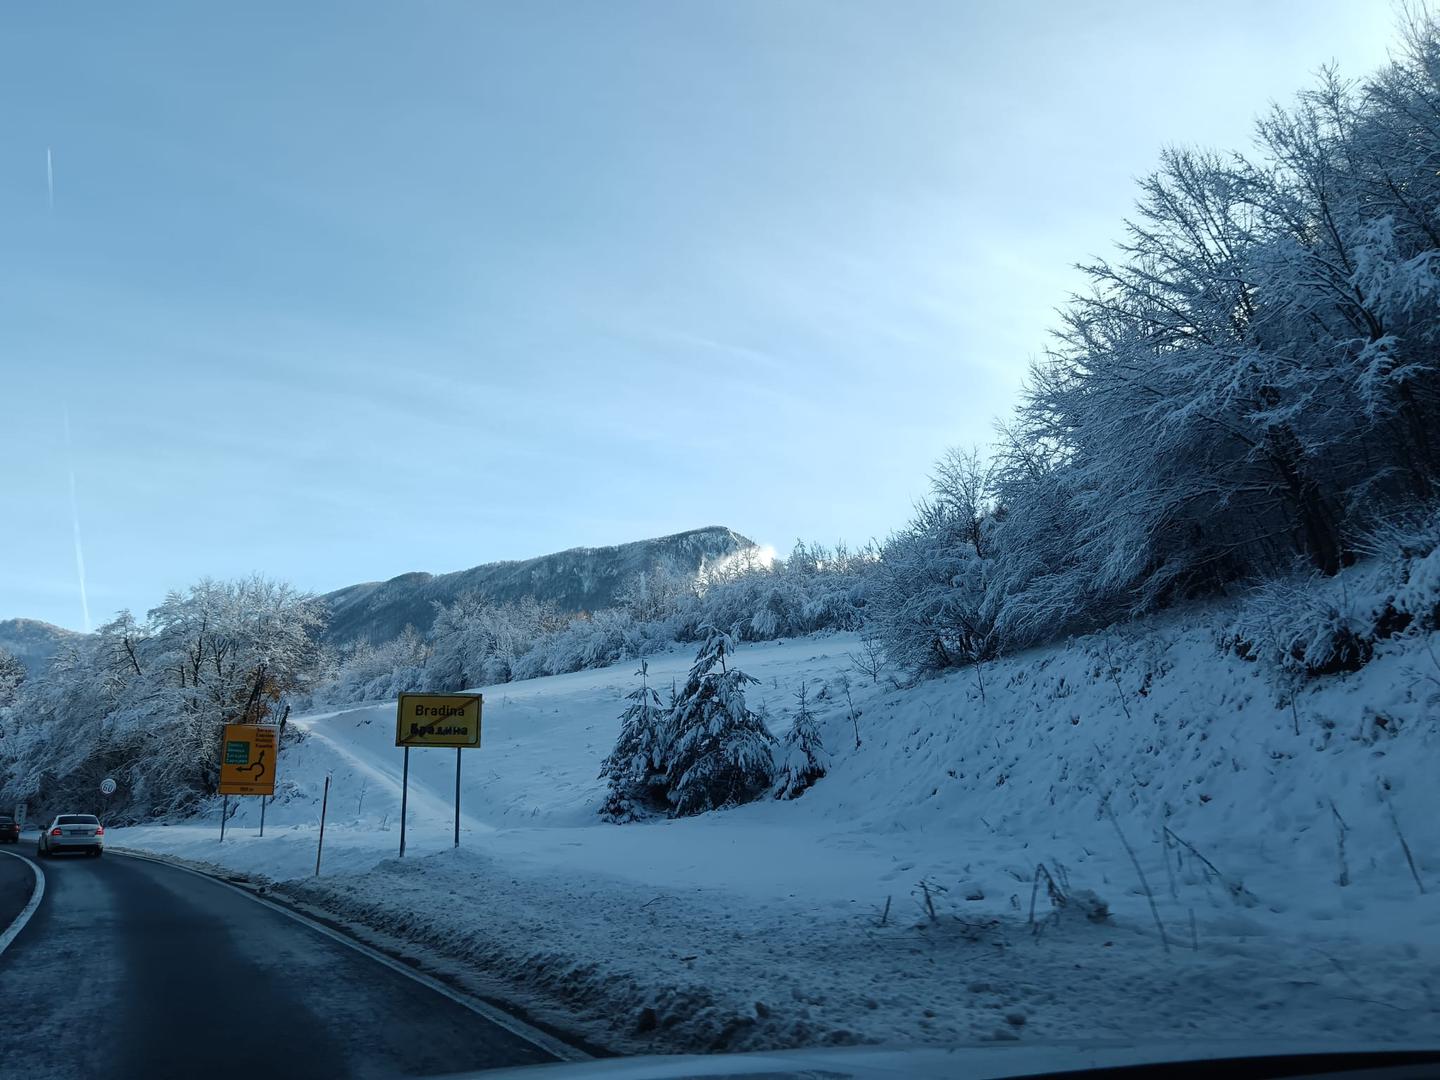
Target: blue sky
x,y
334,291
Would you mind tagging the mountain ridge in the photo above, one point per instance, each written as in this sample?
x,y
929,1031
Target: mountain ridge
x,y
576,579
34,642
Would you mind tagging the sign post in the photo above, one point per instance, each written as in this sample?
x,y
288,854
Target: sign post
x,y
404,799
247,764
107,788
435,720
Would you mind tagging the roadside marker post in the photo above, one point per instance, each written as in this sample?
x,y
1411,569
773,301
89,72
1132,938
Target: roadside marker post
x,y
435,720
324,803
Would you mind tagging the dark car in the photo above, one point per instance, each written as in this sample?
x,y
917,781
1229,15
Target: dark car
x,y
9,830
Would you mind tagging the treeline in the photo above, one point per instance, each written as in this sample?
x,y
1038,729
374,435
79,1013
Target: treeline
x,y
478,642
143,702
1249,385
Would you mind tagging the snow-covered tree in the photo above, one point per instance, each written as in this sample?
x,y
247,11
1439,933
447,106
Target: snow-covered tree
x,y
657,594
1252,381
803,758
12,674
716,752
928,598
145,702
636,784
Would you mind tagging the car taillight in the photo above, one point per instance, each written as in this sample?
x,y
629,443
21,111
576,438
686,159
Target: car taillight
x,y
99,830
55,832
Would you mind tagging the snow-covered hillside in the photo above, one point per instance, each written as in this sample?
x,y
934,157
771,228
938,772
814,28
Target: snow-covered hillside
x,y
893,900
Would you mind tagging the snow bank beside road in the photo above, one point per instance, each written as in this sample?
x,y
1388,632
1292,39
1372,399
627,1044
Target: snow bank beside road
x,y
765,926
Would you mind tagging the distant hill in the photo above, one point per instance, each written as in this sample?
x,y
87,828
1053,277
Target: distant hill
x,y
581,579
33,642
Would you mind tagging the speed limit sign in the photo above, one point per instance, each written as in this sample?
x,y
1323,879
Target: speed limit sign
x,y
107,786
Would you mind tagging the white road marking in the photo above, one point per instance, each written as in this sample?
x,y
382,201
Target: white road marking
x,y
551,1045
36,895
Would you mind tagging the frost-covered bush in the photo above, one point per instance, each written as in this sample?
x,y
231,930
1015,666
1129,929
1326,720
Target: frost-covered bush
x,y
1313,625
1306,628
1411,551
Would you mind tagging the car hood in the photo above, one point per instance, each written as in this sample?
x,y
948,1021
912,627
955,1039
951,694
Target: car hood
x,y
981,1062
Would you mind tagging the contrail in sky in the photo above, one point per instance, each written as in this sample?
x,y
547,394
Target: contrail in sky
x,y
69,456
75,521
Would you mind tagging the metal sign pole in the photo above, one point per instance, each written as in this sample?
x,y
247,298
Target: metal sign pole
x,y
324,803
263,801
404,799
457,796
224,813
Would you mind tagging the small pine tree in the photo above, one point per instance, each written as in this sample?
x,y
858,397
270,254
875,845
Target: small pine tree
x,y
632,769
803,757
717,752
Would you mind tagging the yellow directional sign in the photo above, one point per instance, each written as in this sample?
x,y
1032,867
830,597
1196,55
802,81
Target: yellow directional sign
x,y
438,720
247,759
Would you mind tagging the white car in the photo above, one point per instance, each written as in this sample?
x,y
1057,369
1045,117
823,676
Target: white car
x,y
72,832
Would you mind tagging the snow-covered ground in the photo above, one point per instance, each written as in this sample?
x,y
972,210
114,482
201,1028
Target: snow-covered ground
x,y
892,902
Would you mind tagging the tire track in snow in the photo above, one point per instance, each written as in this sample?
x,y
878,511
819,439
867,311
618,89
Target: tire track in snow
x,y
390,778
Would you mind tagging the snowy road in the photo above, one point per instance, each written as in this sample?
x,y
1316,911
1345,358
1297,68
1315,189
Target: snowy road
x,y
136,969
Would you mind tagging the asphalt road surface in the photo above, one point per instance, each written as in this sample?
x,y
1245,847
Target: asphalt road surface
x,y
136,969
16,885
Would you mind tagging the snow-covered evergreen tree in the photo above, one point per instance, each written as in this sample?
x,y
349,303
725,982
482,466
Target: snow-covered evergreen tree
x,y
716,752
636,783
803,757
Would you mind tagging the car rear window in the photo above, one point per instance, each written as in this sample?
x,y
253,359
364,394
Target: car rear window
x,y
6,819
76,819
